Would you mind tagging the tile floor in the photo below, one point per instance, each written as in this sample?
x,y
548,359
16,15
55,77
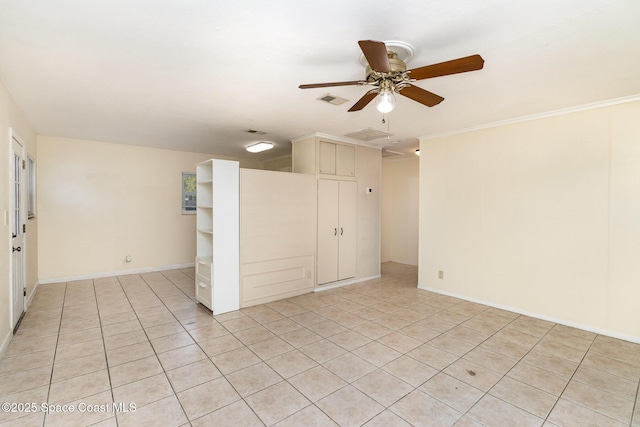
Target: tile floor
x,y
380,353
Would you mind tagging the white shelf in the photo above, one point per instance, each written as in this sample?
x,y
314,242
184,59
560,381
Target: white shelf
x,y
218,235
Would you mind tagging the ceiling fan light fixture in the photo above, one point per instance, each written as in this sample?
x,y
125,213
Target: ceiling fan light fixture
x,y
260,147
386,101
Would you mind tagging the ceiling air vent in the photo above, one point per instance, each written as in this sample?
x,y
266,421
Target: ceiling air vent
x,y
255,132
367,134
333,100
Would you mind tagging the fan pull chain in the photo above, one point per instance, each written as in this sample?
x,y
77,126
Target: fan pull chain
x,y
388,127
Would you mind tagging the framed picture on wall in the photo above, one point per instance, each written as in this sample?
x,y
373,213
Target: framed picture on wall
x,y
188,193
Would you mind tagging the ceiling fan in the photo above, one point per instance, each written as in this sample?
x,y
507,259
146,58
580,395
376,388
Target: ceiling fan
x,y
389,74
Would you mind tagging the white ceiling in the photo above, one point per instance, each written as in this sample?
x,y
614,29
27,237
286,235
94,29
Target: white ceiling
x,y
194,75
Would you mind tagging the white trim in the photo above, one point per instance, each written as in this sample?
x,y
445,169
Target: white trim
x,y
344,139
564,322
23,207
5,343
345,283
553,113
33,294
114,273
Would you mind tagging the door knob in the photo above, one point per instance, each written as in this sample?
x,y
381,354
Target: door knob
x,y
18,249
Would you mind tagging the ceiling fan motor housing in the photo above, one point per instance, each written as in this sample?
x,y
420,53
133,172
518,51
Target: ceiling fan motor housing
x,y
396,79
396,66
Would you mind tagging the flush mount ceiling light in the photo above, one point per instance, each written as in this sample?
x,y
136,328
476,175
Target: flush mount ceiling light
x,y
260,147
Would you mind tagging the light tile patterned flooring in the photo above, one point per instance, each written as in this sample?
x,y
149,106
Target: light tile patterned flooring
x,y
380,353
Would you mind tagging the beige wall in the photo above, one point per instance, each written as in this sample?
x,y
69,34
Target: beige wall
x,y
400,193
539,216
11,119
368,172
99,202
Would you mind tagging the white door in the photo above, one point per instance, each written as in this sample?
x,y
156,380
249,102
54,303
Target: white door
x,y
17,232
347,202
327,231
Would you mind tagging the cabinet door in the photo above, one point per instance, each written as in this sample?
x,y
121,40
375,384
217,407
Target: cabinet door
x,y
347,202
327,231
327,158
345,160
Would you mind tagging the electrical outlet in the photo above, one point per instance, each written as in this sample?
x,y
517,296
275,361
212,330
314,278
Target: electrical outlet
x,y
128,258
440,274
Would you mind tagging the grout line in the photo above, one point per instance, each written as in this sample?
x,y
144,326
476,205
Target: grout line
x,y
55,352
569,381
635,406
242,398
337,299
104,346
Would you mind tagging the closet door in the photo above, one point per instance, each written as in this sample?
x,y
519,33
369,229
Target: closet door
x,y
347,229
328,219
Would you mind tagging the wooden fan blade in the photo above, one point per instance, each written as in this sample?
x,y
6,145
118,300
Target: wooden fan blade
x,y
311,86
422,96
362,102
376,54
455,66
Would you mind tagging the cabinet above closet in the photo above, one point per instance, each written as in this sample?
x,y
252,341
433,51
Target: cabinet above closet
x,y
321,156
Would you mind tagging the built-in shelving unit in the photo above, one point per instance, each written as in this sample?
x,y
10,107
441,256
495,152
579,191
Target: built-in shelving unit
x,y
218,235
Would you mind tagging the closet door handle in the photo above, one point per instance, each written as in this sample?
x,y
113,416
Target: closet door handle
x,y
341,231
335,231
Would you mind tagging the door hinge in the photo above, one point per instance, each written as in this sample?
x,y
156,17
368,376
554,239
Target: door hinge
x,y
25,291
24,164
24,228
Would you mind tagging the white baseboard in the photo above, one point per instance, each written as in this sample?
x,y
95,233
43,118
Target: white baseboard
x,y
5,343
33,294
564,322
345,283
115,273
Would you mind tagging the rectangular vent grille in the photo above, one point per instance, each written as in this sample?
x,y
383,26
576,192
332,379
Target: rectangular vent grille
x,y
333,100
367,134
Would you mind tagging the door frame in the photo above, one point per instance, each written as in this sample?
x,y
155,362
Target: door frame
x,y
15,139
